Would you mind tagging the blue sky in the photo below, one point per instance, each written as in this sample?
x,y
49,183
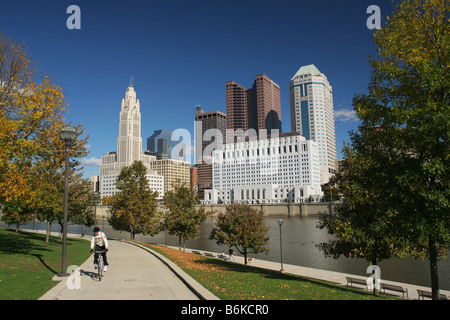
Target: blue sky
x,y
181,53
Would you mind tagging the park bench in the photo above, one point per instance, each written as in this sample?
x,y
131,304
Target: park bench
x,y
427,294
209,254
391,287
197,252
356,281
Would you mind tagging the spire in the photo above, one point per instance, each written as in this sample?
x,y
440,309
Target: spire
x,y
132,81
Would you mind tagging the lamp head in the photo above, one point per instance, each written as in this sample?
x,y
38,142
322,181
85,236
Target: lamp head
x,y
68,134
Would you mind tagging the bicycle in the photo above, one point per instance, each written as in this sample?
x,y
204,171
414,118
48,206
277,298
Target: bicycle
x,y
100,263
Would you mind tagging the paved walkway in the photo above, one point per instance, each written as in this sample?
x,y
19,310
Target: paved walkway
x,y
331,276
133,274
137,273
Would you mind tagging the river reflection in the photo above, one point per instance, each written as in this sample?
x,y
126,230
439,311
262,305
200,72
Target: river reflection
x,y
299,239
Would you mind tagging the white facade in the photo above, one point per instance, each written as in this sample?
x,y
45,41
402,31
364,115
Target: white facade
x,y
312,115
266,171
108,183
129,149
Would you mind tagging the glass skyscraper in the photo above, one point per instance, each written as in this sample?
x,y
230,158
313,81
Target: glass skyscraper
x,y
160,144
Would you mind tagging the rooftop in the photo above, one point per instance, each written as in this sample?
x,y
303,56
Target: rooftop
x,y
309,69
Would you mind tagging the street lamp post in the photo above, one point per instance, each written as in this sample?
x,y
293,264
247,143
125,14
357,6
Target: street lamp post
x,y
280,222
68,134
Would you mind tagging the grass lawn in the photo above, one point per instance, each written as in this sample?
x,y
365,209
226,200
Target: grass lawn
x,y
28,264
233,281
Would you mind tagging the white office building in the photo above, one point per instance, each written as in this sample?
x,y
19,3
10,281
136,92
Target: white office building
x,y
272,170
312,115
108,183
129,149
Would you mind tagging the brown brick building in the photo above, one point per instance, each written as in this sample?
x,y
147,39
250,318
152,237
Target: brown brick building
x,y
256,108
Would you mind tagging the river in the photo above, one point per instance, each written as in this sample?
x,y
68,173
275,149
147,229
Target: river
x,y
299,239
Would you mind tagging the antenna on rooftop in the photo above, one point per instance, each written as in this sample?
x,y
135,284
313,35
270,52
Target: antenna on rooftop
x,y
132,81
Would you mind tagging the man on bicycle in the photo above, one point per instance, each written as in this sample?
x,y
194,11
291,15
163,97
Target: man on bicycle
x,y
101,244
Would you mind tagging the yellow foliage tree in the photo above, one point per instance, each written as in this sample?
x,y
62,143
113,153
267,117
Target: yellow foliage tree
x,y
31,113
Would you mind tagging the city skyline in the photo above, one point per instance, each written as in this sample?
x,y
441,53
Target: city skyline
x,y
199,44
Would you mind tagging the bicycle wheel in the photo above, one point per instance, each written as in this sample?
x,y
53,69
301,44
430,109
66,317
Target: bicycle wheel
x,y
100,267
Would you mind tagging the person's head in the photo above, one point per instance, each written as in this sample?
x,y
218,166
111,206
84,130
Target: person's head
x,y
96,230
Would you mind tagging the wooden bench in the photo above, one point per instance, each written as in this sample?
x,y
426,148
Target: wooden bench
x,y
356,281
427,294
391,287
197,252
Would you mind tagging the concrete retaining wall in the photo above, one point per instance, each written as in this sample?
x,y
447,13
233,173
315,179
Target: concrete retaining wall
x,y
286,209
283,209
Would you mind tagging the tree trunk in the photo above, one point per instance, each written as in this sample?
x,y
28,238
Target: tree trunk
x,y
47,236
433,269
131,234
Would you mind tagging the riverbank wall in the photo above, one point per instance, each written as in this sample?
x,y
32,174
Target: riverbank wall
x,y
284,209
277,209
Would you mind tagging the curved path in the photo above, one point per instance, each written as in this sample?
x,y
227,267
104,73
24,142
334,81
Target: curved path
x,y
133,273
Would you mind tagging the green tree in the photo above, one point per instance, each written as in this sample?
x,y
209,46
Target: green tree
x,y
16,212
364,223
241,227
405,128
410,89
183,218
48,184
134,207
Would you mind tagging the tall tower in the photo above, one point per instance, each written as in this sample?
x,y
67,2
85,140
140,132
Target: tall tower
x,y
129,149
256,108
210,131
129,142
312,115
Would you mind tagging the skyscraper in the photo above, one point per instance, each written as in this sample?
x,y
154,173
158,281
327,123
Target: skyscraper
x,y
256,108
129,142
210,130
312,115
160,144
129,149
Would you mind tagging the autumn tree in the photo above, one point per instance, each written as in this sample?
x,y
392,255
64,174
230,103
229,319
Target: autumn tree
x,y
183,218
241,227
28,105
134,207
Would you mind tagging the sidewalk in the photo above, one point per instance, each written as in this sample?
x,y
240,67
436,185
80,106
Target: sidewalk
x,y
133,274
330,276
